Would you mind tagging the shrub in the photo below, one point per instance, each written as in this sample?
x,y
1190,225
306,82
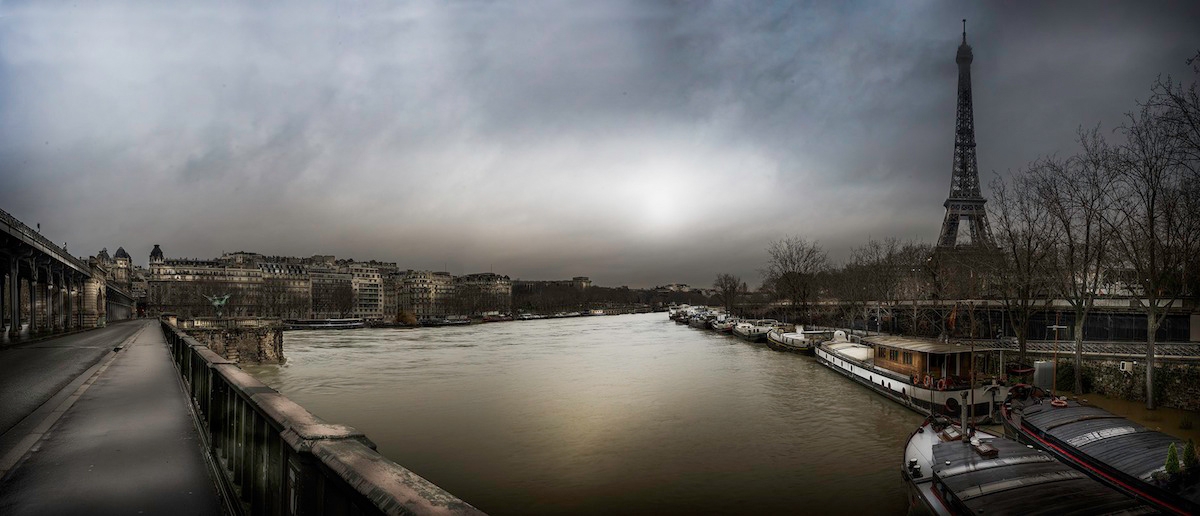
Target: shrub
x,y
1189,456
1172,460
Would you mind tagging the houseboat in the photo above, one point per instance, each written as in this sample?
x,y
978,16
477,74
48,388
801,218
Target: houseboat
x,y
754,330
324,324
927,375
799,341
1127,456
723,323
952,471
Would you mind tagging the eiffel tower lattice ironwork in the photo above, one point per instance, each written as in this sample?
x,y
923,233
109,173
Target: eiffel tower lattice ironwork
x,y
965,204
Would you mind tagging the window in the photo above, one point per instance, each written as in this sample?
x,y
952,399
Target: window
x,y
908,358
893,355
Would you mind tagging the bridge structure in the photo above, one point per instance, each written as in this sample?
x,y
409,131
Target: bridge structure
x,y
44,290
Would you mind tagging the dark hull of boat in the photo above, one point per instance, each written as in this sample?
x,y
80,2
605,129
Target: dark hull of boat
x,y
296,325
788,348
1166,501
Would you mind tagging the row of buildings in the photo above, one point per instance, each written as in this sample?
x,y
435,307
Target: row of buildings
x,y
318,287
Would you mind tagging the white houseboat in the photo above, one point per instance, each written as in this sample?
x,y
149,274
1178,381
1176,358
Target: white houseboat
x,y
799,341
926,375
754,330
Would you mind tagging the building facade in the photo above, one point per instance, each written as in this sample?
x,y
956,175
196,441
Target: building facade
x,y
426,294
482,293
367,285
332,293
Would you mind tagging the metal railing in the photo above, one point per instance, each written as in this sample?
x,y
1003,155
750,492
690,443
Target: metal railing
x,y
276,458
20,227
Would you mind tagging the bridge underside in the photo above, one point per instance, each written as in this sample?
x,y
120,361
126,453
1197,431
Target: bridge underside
x,y
44,290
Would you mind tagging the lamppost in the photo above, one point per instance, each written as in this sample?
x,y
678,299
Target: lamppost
x,y
1055,327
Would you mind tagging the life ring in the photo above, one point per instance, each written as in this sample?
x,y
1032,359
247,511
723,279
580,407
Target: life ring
x,y
941,384
1058,402
916,379
928,381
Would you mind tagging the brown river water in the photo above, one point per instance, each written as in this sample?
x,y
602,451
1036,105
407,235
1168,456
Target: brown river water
x,y
628,414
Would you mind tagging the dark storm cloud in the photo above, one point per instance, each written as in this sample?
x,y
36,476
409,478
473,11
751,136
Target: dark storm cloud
x,y
635,142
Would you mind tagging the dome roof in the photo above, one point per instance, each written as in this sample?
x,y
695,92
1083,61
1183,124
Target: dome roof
x,y
103,255
121,253
156,254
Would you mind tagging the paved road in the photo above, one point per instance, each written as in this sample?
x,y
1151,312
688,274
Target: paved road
x,y
31,373
128,445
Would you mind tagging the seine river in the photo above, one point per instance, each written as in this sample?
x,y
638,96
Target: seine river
x,y
617,414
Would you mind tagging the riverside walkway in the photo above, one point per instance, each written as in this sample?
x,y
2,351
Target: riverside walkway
x,y
91,430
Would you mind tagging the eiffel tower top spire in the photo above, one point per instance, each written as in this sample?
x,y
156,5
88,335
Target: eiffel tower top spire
x,y
965,200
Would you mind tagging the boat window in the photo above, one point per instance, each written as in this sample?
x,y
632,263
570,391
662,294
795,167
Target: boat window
x,y
908,358
893,355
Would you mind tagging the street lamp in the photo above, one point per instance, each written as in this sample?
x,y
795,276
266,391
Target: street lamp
x,y
1055,327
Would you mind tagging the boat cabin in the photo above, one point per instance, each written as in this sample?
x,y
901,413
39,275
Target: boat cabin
x,y
938,360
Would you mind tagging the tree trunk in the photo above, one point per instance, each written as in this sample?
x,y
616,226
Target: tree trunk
x,y
1151,330
1080,317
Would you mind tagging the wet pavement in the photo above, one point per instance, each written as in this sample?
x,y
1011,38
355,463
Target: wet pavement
x,y
31,373
126,445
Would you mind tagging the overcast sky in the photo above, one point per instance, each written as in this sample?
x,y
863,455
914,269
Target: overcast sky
x,y
638,142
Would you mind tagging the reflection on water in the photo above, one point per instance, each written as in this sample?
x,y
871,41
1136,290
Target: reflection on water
x,y
628,414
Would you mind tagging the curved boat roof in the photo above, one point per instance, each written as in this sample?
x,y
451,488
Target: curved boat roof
x,y
1105,437
919,344
1023,480
850,350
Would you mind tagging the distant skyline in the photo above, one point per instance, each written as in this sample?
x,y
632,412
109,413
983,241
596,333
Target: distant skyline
x,y
637,143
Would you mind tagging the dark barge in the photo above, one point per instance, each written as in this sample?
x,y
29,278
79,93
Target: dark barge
x,y
1113,449
950,473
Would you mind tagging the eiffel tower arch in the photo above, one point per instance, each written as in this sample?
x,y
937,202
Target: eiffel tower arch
x,y
965,205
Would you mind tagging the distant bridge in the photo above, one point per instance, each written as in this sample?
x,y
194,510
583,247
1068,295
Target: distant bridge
x,y
44,290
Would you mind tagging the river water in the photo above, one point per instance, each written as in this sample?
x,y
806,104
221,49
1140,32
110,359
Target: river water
x,y
617,414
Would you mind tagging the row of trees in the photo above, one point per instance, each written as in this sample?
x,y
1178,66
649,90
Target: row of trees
x,y
1119,217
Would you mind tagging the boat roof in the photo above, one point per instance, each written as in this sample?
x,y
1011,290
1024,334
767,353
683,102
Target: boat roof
x,y
849,349
1024,480
1106,437
919,344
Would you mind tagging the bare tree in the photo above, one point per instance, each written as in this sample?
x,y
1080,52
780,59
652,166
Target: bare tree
x,y
1024,231
1178,108
792,267
1076,194
1152,230
729,289
880,263
342,299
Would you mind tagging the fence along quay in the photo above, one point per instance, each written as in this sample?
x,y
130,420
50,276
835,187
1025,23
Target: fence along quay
x,y
274,457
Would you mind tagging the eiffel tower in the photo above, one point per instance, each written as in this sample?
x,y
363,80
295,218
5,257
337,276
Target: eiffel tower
x,y
965,204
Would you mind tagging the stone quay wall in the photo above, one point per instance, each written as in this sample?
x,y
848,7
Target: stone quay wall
x,y
1176,384
262,345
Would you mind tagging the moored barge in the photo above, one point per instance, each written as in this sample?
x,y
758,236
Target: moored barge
x,y
949,471
324,324
1113,449
926,375
799,341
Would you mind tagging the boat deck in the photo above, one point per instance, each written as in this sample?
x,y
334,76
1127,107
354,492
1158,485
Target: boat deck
x,y
1024,480
1099,436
